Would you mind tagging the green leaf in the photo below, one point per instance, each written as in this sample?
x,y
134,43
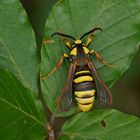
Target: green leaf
x,y
21,115
117,43
18,51
101,125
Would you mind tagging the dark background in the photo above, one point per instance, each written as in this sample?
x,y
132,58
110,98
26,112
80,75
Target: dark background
x,y
126,91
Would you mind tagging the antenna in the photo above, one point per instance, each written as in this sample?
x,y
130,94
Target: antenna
x,y
89,32
64,35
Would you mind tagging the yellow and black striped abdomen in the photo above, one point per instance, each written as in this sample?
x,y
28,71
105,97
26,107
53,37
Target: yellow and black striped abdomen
x,y
84,90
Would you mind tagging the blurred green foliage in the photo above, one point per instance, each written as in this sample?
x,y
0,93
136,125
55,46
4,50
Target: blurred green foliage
x,y
38,11
126,92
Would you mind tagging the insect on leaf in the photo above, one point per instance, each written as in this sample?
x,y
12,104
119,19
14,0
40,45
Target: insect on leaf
x,y
117,43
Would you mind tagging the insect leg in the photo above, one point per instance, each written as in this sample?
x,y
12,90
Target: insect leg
x,y
58,65
68,43
99,57
92,34
89,40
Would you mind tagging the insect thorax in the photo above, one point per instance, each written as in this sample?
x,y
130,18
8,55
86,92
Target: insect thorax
x,y
74,51
79,55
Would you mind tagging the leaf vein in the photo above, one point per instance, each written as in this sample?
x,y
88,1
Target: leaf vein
x,y
70,12
23,133
21,95
12,60
8,90
11,123
123,19
21,110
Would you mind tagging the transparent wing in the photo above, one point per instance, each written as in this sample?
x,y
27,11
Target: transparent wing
x,y
103,92
66,97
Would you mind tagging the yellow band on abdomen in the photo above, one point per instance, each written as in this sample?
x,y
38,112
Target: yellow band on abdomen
x,y
83,79
85,100
81,94
82,72
85,108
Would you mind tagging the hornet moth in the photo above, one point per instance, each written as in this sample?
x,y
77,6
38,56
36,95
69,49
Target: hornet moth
x,y
83,82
